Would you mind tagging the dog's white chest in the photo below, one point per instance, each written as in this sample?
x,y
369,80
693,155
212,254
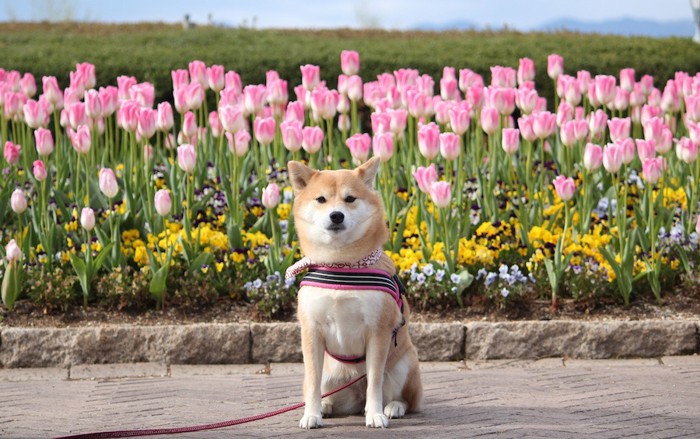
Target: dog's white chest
x,y
343,317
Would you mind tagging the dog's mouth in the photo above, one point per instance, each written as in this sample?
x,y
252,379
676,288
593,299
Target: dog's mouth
x,y
336,227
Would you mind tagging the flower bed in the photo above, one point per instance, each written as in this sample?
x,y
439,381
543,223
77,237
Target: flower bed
x,y
112,197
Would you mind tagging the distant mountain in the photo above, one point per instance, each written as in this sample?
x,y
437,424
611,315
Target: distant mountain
x,y
622,26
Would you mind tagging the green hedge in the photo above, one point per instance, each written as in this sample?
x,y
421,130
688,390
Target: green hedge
x,y
150,51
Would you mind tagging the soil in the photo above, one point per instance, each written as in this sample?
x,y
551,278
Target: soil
x,y
675,306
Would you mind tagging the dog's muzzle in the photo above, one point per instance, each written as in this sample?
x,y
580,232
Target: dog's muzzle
x,y
337,219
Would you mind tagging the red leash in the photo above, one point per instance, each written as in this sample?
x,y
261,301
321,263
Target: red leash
x,y
202,427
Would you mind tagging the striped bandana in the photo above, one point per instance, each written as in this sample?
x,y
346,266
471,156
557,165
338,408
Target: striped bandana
x,y
304,263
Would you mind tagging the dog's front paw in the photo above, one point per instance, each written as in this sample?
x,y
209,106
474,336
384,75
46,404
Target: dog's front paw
x,y
310,421
395,409
377,420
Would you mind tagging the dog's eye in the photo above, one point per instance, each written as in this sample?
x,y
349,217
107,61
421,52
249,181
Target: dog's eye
x,y
321,199
350,199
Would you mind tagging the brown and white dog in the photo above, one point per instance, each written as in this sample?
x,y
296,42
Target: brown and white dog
x,y
346,331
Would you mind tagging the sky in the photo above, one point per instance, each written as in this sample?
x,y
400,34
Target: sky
x,y
389,14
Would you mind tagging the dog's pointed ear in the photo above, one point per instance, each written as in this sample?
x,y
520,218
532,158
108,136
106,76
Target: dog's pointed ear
x,y
299,175
368,170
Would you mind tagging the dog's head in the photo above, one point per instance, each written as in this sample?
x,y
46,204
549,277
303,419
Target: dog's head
x,y
338,215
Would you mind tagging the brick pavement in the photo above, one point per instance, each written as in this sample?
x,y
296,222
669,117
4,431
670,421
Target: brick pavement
x,y
552,398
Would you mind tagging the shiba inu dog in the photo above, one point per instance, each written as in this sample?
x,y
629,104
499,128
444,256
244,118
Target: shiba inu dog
x,y
350,309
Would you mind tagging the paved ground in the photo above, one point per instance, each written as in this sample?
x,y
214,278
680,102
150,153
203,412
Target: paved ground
x,y
516,399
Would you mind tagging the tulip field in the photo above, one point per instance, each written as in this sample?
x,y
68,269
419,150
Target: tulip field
x,y
490,184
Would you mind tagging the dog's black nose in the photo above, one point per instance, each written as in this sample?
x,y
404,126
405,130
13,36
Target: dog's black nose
x,y
337,217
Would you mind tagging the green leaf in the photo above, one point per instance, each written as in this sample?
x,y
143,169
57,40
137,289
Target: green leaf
x,y
81,271
10,286
158,283
99,260
203,258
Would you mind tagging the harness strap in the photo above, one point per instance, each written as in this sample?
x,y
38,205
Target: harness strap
x,y
354,279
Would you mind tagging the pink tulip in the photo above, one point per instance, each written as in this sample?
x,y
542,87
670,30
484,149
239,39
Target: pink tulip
x,y
628,150
324,102
108,183
292,135
187,157
238,143
124,84
429,140
344,123
82,140
646,149
18,201
612,158
555,66
310,76
697,229
619,128
13,252
36,113
189,125
11,153
692,107
231,117
503,100
686,150
93,104
622,99
87,71
526,70
670,98
383,145
52,92
417,102
565,187
510,141
605,88
544,124
652,168
489,120
665,142
627,79
198,72
459,119
526,100
349,62
567,133
143,93
39,170
128,115
276,92
381,122
215,124
425,177
181,79
312,139
271,196
232,80
359,145
399,118
441,193
215,77
264,130
87,218
448,89
598,120
254,98
295,111
194,95
525,127
355,88
449,145
164,118
146,127
162,202
44,142
592,157
109,100
653,128
76,115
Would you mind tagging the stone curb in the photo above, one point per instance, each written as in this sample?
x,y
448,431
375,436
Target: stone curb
x,y
257,343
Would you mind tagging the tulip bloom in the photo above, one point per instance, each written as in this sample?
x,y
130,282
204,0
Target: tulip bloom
x,y
612,158
429,140
146,127
13,252
310,76
312,139
510,141
11,153
254,98
544,124
526,70
555,66
383,145
565,187
164,118
271,196
162,202
605,88
354,86
646,149
441,193
44,142
598,120
425,177
619,128
592,157
187,157
264,130
449,145
52,92
349,62
503,100
238,143
82,140
359,145
189,125
489,120
39,170
108,183
292,135
687,150
18,201
215,78
87,218
652,168
459,119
